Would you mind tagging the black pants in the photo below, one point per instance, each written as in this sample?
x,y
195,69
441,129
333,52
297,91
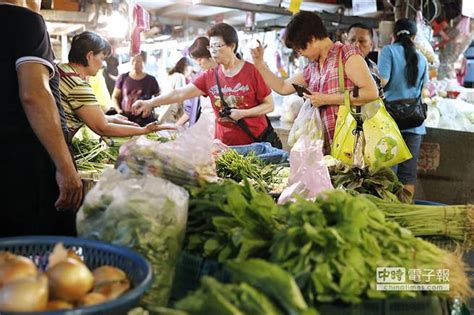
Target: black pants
x,y
30,191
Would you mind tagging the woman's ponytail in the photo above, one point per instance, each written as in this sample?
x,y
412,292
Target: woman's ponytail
x,y
403,31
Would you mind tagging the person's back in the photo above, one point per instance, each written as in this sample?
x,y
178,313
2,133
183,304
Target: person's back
x,y
393,65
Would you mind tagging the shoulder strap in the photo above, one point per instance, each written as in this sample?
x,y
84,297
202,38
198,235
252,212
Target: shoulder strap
x,y
221,95
241,123
342,88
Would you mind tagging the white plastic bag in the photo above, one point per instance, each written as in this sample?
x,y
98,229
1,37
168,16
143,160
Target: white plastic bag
x,y
186,160
145,213
307,123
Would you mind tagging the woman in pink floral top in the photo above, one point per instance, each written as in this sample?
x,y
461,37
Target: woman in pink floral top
x,y
306,34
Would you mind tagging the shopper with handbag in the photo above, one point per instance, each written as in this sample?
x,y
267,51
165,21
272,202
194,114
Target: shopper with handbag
x,y
240,98
307,35
403,72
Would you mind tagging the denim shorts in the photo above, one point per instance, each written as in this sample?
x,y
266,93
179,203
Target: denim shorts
x,y
407,170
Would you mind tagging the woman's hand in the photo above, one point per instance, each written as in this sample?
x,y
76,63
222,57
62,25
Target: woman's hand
x,y
155,126
236,114
317,99
257,53
142,107
121,119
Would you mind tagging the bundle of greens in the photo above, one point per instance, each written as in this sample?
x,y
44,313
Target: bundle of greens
x,y
147,214
232,165
382,182
334,245
453,221
260,288
227,220
93,154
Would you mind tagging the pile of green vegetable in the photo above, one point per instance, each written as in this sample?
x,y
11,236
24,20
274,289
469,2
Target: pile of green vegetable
x,y
253,292
332,246
232,165
381,182
227,220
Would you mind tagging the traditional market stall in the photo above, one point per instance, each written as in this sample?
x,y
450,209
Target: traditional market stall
x,y
175,221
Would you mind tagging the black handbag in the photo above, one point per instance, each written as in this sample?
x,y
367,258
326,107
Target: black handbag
x,y
268,135
407,113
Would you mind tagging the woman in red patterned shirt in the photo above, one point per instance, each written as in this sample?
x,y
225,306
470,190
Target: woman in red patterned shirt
x,y
306,34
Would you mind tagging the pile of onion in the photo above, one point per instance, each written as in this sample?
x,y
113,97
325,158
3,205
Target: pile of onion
x,y
65,284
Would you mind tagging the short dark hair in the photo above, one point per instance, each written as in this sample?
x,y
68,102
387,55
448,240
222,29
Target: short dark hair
x,y
143,54
199,49
86,42
302,28
227,32
180,66
362,26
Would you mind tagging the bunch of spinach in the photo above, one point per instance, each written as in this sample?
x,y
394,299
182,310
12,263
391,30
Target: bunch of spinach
x,y
227,220
334,245
381,182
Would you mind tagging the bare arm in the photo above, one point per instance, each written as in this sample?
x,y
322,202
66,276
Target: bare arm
x,y
358,72
40,108
182,120
175,96
265,107
276,83
95,119
116,99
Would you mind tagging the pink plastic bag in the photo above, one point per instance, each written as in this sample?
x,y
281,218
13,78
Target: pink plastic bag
x,y
309,174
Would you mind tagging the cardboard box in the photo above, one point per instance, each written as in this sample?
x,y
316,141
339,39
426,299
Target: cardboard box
x,y
66,5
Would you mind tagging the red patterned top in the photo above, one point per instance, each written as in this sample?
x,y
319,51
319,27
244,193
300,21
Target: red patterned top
x,y
326,80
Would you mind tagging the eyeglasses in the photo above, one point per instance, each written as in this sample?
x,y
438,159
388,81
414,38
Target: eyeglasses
x,y
215,46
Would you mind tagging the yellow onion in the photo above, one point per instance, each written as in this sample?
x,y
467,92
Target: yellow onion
x,y
15,268
69,280
56,305
113,290
105,274
4,256
24,295
92,299
72,254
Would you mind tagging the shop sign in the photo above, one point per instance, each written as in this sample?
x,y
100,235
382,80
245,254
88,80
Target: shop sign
x,y
429,158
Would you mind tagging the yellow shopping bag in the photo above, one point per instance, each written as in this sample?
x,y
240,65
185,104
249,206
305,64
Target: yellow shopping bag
x,y
383,143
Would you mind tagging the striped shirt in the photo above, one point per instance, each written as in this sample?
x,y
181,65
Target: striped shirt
x,y
75,93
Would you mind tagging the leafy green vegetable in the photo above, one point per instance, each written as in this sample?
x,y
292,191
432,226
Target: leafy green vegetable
x,y
381,182
146,214
214,298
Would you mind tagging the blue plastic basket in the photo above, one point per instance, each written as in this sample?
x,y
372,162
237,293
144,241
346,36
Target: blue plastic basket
x,y
94,254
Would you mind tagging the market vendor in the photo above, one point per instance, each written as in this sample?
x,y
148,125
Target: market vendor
x,y
87,54
41,190
307,35
246,96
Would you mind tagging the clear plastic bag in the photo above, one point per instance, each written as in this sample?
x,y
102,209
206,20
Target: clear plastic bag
x,y
186,160
422,41
145,213
307,123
